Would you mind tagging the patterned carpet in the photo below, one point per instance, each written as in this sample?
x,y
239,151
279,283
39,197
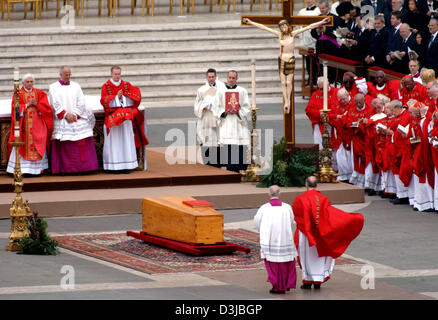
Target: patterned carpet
x,y
133,253
136,254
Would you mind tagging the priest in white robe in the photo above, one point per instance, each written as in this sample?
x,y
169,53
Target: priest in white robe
x,y
207,122
124,123
232,109
274,222
73,147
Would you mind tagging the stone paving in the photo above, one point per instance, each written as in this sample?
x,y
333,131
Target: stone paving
x,y
400,272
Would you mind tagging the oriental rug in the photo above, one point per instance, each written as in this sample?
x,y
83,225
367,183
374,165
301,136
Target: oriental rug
x,y
126,251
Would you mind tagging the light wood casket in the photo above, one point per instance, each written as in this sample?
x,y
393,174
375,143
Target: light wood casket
x,y
170,218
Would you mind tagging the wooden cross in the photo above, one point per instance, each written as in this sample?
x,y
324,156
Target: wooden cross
x,y
288,118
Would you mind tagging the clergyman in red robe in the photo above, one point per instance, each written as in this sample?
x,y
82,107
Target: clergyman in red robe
x,y
123,124
323,234
36,125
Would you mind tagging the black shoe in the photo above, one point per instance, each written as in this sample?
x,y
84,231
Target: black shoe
x,y
316,286
401,201
384,195
272,291
371,192
306,286
429,210
415,209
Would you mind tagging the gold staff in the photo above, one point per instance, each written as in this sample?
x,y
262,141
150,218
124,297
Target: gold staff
x,y
326,174
20,211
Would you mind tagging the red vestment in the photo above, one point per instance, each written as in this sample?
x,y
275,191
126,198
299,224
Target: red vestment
x,y
400,146
373,141
390,89
343,135
359,136
36,124
422,162
418,93
316,104
434,150
115,116
329,229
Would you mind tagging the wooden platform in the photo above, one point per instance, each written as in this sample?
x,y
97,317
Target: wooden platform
x,y
158,174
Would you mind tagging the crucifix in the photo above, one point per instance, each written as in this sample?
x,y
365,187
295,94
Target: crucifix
x,y
286,60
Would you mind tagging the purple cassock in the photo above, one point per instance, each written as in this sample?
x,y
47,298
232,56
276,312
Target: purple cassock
x,y
282,275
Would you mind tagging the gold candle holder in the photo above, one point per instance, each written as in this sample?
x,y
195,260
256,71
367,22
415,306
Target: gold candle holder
x,y
326,174
250,174
20,211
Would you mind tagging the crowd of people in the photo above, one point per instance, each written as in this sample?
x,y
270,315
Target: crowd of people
x,y
384,135
58,128
383,33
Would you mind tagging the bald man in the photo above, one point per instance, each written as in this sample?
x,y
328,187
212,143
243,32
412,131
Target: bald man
x,y
274,221
323,234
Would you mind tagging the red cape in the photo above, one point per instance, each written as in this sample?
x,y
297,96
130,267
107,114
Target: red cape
x,y
42,126
115,116
330,229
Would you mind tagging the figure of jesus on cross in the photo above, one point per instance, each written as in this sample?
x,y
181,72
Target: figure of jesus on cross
x,y
286,59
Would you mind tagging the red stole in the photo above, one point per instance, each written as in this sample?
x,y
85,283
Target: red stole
x,y
116,116
418,93
36,124
316,104
359,136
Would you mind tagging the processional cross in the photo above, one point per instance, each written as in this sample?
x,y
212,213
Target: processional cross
x,y
287,8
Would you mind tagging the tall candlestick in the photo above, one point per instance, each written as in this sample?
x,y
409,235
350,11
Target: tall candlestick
x,y
16,74
325,74
253,83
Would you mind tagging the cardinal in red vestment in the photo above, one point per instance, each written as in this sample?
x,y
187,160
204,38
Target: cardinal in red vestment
x,y
123,124
36,126
314,107
412,90
323,234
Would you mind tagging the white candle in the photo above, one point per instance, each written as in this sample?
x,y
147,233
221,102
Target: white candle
x,y
16,132
16,74
325,74
253,83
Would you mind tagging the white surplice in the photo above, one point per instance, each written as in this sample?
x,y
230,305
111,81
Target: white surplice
x,y
276,237
313,267
29,167
70,98
119,152
233,129
207,123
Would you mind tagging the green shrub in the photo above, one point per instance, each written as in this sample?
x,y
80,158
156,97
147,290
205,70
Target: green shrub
x,y
290,169
38,241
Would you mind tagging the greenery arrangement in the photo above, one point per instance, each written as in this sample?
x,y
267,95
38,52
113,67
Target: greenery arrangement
x,y
38,242
290,169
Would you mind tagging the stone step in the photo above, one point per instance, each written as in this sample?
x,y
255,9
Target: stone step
x,y
120,45
161,9
56,34
103,67
135,53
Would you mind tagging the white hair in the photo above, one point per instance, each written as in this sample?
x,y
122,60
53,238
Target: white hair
x,y
274,191
342,92
27,75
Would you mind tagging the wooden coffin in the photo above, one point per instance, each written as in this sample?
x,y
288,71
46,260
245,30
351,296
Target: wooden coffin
x,y
170,218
